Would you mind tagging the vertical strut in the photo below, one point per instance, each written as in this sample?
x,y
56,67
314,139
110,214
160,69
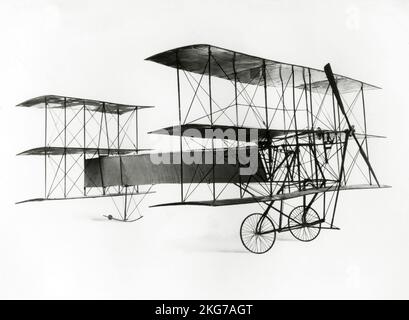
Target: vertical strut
x,y
84,126
306,98
333,112
45,145
324,206
314,149
126,204
311,110
335,127
280,223
211,123
117,129
339,115
180,124
366,138
84,144
136,138
136,130
118,145
237,121
99,153
296,129
308,117
235,89
65,147
344,151
270,157
265,94
106,127
282,96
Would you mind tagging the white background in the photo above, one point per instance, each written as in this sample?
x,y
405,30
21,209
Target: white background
x,y
96,49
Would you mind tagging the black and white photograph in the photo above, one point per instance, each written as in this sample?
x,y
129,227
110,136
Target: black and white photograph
x,y
204,150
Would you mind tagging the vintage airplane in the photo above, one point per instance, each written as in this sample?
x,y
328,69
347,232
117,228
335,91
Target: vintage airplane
x,y
301,127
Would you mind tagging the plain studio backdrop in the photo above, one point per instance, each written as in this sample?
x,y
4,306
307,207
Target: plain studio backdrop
x,y
96,49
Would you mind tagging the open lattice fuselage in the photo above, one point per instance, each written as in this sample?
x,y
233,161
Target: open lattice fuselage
x,y
300,162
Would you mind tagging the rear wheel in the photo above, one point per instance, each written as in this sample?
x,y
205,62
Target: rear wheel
x,y
303,223
257,234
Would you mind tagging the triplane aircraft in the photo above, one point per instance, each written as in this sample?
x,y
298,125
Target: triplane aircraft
x,y
303,129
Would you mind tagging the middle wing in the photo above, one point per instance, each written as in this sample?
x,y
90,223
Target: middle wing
x,y
247,134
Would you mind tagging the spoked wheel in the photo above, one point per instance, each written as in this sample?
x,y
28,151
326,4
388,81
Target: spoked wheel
x,y
257,240
304,227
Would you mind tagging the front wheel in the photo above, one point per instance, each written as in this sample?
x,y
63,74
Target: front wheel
x,y
304,223
257,233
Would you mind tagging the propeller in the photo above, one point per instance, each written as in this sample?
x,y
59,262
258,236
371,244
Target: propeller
x,y
333,84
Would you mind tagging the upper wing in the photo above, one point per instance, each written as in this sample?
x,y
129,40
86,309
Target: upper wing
x,y
226,63
59,102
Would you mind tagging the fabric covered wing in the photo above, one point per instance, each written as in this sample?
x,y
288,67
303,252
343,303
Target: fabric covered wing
x,y
145,169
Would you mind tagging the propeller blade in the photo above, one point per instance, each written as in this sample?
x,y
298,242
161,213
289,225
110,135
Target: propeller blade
x,y
333,84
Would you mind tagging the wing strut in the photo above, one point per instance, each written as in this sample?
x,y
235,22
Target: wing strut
x,y
333,84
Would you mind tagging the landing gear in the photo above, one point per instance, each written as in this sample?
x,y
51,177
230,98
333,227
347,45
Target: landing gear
x,y
127,206
257,233
304,223
110,217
